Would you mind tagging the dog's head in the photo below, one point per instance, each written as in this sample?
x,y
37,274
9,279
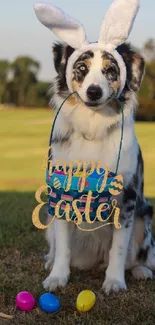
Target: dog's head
x,y
96,74
96,71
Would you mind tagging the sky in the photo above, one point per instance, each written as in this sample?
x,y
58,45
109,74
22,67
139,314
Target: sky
x,y
22,34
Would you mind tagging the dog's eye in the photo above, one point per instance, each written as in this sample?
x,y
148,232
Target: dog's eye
x,y
112,73
82,68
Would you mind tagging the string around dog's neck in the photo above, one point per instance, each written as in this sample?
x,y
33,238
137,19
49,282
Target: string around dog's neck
x,y
122,127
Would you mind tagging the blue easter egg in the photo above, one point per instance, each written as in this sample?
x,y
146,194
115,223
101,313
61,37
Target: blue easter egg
x,y
49,303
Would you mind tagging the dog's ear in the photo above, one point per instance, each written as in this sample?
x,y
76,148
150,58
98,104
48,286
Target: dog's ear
x,y
135,65
61,53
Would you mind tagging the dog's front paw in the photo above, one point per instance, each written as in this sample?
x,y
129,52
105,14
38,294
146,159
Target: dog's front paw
x,y
113,285
53,281
142,273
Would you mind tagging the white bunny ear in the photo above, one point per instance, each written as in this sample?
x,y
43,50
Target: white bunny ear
x,y
118,22
65,27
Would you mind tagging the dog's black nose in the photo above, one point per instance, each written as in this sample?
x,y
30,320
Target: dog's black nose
x,y
94,92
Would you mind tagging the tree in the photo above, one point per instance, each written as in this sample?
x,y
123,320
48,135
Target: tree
x,y
149,50
150,78
25,70
149,53
4,75
37,95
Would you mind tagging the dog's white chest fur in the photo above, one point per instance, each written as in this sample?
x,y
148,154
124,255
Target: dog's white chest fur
x,y
92,139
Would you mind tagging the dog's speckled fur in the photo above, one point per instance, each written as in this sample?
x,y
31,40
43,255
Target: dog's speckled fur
x,y
91,131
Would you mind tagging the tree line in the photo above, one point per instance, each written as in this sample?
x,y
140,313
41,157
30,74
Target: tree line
x,y
146,95
20,86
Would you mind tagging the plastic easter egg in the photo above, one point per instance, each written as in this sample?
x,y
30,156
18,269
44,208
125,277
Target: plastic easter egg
x,y
85,300
25,301
49,303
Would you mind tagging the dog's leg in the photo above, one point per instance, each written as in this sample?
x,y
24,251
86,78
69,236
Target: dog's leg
x,y
50,237
150,261
115,274
142,243
146,254
142,273
61,267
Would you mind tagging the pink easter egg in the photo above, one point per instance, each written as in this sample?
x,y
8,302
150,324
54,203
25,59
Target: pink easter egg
x,y
25,301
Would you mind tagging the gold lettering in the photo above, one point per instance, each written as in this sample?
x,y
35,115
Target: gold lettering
x,y
50,161
116,212
47,160
87,208
78,163
87,169
116,218
83,177
66,210
98,168
35,214
99,210
92,168
78,219
104,182
69,177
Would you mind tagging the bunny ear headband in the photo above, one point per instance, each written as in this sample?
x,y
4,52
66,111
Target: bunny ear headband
x,y
115,30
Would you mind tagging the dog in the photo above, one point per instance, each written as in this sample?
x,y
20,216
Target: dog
x,y
89,128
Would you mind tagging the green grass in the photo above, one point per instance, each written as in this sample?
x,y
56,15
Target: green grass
x,y
24,140
23,146
146,135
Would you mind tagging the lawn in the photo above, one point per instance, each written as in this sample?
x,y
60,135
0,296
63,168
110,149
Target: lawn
x,y
24,141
